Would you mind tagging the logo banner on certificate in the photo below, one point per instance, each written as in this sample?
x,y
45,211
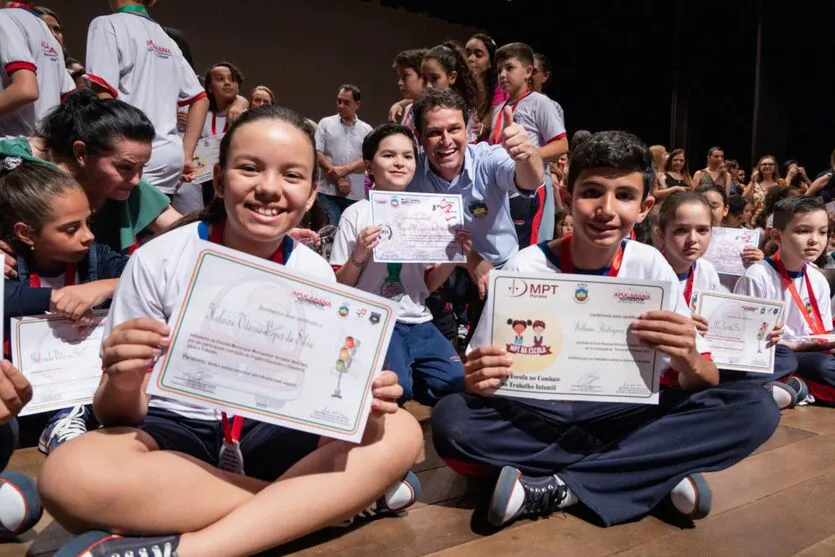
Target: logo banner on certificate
x,y
59,358
206,155
568,336
738,329
725,249
258,340
417,227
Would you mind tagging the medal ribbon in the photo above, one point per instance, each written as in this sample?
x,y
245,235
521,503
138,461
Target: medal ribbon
x,y
813,318
567,263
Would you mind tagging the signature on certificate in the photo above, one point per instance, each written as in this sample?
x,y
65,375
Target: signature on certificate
x,y
589,379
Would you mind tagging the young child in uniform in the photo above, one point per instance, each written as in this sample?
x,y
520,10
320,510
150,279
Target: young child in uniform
x,y
532,215
407,64
620,460
43,216
425,362
444,67
33,76
800,232
153,470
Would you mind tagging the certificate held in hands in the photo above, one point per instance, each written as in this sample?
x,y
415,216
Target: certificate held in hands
x,y
255,339
60,359
725,249
738,330
417,227
569,336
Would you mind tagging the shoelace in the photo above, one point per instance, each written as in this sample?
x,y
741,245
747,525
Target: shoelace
x,y
155,551
70,426
544,498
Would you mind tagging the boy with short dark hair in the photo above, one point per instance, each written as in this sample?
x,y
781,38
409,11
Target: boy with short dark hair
x,y
800,230
620,460
409,79
533,216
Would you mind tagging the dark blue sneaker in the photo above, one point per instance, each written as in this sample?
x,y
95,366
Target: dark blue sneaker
x,y
517,495
394,502
804,397
62,426
21,504
784,394
105,544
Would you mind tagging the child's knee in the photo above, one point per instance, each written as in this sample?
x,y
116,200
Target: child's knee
x,y
403,437
451,424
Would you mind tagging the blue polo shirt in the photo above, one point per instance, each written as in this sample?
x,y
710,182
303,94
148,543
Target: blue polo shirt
x,y
488,176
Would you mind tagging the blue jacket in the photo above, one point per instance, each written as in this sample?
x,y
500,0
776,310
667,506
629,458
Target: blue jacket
x,y
21,300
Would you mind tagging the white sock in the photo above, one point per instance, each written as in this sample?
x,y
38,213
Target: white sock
x,y
781,396
685,497
399,496
12,507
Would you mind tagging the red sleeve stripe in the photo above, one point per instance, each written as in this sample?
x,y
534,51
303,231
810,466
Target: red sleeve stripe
x,y
67,94
14,66
192,100
101,82
563,135
537,218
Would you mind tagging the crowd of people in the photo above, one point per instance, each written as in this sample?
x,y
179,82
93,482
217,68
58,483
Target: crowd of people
x,y
100,208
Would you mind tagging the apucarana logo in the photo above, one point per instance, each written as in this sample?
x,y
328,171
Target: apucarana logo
x,y
632,295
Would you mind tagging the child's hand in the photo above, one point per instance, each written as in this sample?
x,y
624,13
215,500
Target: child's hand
x,y
387,391
75,302
366,242
700,323
751,255
15,391
776,333
671,334
9,260
344,186
486,369
128,353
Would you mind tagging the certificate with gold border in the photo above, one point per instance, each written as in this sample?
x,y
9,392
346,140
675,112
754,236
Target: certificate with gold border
x,y
569,336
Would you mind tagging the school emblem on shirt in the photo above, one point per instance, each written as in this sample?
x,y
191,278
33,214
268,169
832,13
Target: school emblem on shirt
x,y
158,50
581,295
49,51
478,209
533,346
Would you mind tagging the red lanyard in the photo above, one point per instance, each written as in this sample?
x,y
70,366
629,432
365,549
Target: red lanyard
x,y
25,7
496,134
69,277
232,433
813,318
567,264
688,288
214,124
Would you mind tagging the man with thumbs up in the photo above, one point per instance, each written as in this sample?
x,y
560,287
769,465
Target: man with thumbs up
x,y
484,175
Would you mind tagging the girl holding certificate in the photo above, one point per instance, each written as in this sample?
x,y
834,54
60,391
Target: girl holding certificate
x,y
620,460
44,215
153,470
425,362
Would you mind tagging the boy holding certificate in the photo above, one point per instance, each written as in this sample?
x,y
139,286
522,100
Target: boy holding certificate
x,y
800,231
426,364
620,460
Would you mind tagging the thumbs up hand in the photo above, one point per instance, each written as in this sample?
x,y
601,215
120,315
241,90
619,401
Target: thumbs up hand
x,y
514,137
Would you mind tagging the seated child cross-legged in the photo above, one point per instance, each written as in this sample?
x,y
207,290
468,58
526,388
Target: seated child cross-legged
x,y
800,232
154,470
620,460
425,362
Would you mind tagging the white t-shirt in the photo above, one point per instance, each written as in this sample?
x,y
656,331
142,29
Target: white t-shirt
x,y
407,284
132,57
342,144
763,281
215,124
640,261
155,280
27,43
706,279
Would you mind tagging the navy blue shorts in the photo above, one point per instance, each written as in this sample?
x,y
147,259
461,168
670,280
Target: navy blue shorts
x,y
268,450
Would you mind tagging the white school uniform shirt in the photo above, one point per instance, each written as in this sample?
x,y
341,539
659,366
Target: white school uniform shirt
x,y
373,276
640,261
706,279
27,43
154,284
215,124
763,281
342,144
136,61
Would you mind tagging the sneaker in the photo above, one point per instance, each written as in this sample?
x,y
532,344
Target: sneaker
x,y
20,505
804,397
63,426
517,495
105,544
394,502
463,330
784,395
692,497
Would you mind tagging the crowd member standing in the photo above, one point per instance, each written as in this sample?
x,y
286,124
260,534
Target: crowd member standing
x,y
131,57
339,150
33,77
